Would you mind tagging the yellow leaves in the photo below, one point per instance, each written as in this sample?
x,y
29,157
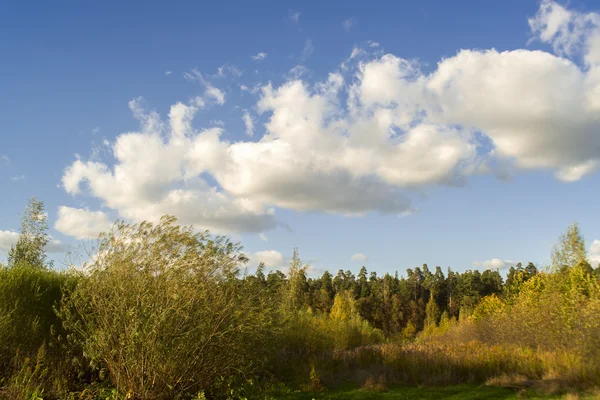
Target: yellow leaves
x,y
489,305
344,307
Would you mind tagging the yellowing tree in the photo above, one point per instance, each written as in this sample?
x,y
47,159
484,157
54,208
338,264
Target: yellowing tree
x,y
570,250
344,307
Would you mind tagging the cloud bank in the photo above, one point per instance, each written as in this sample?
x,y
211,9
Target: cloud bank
x,y
365,139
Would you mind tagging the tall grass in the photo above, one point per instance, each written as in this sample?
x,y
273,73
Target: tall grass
x,y
34,354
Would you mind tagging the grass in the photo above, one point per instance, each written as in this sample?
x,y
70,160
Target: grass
x,y
466,392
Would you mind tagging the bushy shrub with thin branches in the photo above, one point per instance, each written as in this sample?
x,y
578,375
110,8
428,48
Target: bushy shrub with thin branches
x,y
162,309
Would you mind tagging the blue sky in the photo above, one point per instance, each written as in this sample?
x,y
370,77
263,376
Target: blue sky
x,y
406,132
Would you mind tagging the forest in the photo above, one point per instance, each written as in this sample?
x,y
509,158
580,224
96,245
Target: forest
x,y
162,311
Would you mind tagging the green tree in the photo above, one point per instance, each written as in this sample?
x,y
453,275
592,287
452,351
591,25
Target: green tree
x,y
31,244
363,283
570,249
432,313
295,296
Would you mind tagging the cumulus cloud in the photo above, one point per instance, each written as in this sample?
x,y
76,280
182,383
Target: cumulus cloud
x,y
359,257
17,178
366,137
157,172
271,258
494,263
570,33
534,106
260,56
9,238
248,123
81,223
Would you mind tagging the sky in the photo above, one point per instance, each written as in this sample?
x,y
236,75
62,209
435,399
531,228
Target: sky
x,y
384,134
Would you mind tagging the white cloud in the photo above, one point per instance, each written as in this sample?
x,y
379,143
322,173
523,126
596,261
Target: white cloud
x,y
357,52
372,43
594,253
363,141
348,24
167,73
210,91
215,93
255,89
81,223
4,159
225,70
297,72
359,257
157,172
248,123
17,178
9,238
271,258
531,104
494,263
569,32
263,237
260,56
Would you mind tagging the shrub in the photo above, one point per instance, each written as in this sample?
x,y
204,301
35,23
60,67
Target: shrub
x,y
162,309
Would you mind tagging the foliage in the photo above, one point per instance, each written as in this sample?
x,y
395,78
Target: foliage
x,y
30,247
163,311
570,250
30,328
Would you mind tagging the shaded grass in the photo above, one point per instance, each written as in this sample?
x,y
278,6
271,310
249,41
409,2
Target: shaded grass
x,y
435,364
466,392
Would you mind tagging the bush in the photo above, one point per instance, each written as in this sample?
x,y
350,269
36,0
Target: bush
x,y
163,311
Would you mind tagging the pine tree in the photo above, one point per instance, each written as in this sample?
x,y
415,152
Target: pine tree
x,y
432,312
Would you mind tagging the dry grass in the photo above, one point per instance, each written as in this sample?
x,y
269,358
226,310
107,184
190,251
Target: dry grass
x,y
438,364
375,384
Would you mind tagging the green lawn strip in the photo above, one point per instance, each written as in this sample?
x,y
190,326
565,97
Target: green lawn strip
x,y
467,392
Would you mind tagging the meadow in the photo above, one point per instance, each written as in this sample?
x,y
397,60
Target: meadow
x,y
162,311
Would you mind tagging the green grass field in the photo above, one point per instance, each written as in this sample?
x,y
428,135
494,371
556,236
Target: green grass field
x,y
467,392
